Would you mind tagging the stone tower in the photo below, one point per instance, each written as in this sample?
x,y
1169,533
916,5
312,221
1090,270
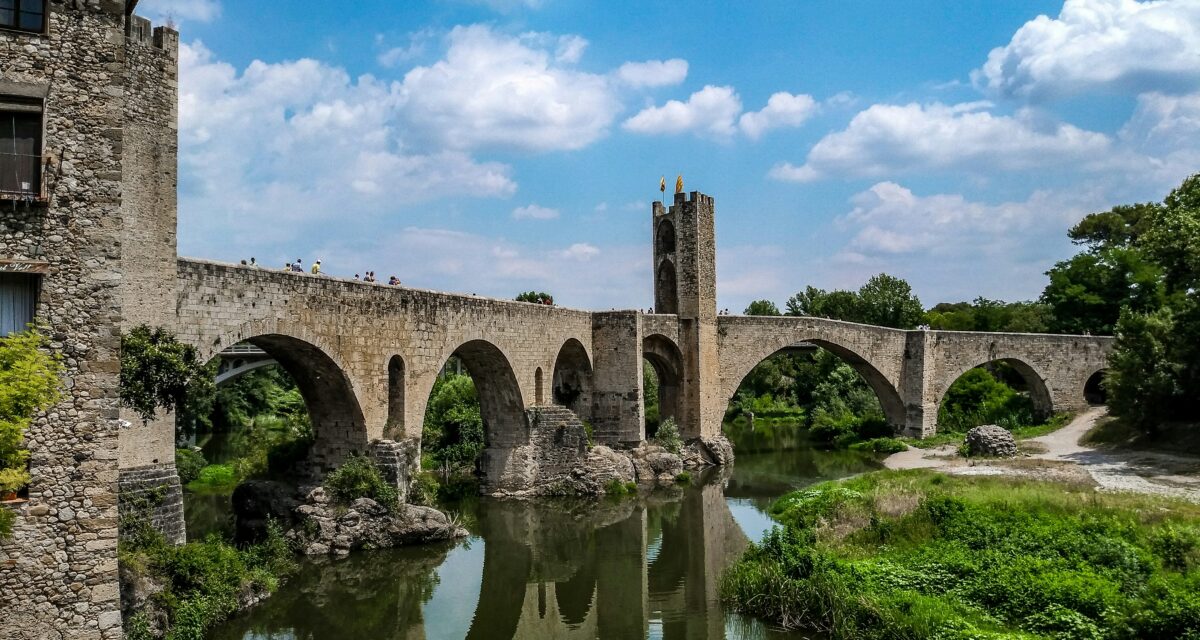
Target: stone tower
x,y
685,284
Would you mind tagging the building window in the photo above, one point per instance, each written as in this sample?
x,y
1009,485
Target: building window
x,y
18,300
20,150
23,15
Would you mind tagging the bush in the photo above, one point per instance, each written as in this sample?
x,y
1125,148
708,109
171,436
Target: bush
x,y
29,383
359,477
979,398
188,464
425,490
921,555
668,436
617,488
156,370
880,445
215,478
6,523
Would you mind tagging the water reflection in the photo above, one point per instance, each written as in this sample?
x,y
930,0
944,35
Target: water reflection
x,y
640,567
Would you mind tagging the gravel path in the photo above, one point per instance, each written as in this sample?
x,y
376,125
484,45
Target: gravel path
x,y
1064,458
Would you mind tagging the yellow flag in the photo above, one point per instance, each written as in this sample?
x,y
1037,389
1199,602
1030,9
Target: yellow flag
x,y
662,184
679,184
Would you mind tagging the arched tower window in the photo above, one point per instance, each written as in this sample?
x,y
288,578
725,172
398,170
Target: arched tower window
x,y
665,239
666,295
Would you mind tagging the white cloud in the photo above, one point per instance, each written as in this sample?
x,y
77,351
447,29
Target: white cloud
x,y
886,139
494,90
711,111
179,10
783,110
279,151
714,112
1099,45
534,212
570,49
418,42
653,73
580,251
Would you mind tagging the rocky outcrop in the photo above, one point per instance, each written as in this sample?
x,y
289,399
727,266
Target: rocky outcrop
x,y
991,441
654,464
325,528
320,527
707,452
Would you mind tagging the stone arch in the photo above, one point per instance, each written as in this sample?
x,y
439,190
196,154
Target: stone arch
x,y
1094,389
539,397
889,398
666,298
394,429
571,385
333,408
664,239
1035,384
664,355
500,401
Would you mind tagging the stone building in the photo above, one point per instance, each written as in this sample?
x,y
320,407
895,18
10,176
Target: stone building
x,y
87,184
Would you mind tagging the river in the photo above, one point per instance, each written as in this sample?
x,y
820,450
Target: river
x,y
638,567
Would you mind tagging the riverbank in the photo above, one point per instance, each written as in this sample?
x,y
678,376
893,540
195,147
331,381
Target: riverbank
x,y
1060,456
921,554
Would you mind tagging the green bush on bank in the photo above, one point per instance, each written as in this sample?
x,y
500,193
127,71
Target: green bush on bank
x,y
921,555
202,583
668,436
189,463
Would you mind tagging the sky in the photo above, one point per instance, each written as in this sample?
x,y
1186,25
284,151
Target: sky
x,y
500,146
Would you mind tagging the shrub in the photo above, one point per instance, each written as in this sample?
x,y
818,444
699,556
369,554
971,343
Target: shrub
x,y
684,478
617,488
215,477
424,491
880,445
29,383
156,370
189,463
359,477
668,436
6,523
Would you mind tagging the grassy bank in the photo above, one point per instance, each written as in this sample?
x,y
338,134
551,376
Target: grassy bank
x,y
917,554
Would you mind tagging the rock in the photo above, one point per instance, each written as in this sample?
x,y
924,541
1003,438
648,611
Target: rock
x,y
707,452
329,529
368,507
317,496
653,463
991,441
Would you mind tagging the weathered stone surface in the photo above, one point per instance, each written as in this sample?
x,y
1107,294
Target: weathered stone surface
x,y
707,452
654,464
326,529
991,441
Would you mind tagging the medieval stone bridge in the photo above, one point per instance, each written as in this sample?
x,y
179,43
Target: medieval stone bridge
x,y
366,356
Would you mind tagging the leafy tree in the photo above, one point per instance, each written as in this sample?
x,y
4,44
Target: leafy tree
x,y
818,303
762,308
1122,226
1141,383
536,297
991,315
977,398
650,395
1088,291
156,370
453,432
29,383
888,301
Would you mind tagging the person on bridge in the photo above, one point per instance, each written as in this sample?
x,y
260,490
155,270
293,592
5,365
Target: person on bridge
x,y
316,268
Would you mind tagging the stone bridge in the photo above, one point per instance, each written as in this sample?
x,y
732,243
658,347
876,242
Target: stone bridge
x,y
366,355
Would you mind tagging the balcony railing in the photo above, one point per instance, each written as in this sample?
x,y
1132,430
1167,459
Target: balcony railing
x,y
20,176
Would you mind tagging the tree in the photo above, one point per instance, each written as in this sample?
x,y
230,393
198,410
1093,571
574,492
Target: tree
x,y
818,303
1088,291
990,315
888,301
762,308
536,297
156,370
29,383
453,430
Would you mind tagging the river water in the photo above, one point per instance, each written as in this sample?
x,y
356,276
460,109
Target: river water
x,y
639,567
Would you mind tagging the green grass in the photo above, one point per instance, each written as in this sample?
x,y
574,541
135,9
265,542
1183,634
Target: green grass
x,y
917,554
617,488
215,478
1056,422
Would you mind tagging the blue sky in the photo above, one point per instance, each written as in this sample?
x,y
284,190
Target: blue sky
x,y
497,146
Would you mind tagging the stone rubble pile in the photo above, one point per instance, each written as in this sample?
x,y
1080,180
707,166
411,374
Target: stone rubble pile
x,y
991,441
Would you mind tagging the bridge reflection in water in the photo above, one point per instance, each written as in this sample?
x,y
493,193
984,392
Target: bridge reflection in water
x,y
640,567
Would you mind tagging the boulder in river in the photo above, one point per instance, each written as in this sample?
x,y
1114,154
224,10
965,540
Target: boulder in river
x,y
991,441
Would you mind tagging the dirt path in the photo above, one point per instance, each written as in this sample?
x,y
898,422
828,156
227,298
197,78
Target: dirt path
x,y
1063,458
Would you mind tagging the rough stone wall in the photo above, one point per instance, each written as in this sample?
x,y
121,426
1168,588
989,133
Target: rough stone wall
x,y
148,208
58,574
154,491
618,415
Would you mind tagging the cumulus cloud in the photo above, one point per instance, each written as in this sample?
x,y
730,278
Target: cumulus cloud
x,y
274,151
653,73
534,212
178,10
783,110
418,42
580,251
886,139
1099,45
495,90
717,112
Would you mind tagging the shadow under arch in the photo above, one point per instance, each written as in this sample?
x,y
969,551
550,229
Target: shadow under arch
x,y
667,360
885,392
1095,389
666,298
1035,384
571,385
336,416
500,402
664,240
394,429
